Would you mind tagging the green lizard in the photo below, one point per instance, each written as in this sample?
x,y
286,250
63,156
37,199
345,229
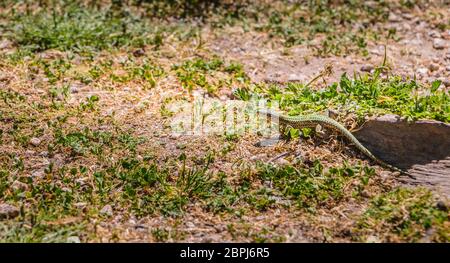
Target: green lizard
x,y
312,120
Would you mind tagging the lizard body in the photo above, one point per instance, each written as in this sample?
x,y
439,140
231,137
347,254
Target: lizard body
x,y
312,120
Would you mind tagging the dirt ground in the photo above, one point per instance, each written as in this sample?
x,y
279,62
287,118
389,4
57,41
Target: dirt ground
x,y
419,50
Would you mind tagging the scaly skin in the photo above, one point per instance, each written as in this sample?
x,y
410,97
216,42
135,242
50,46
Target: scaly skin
x,y
312,120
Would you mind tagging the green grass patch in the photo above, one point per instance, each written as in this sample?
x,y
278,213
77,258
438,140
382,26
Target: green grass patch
x,y
78,28
364,95
405,215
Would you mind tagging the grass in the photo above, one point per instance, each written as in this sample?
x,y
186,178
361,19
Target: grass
x,y
364,95
312,187
210,75
78,29
405,215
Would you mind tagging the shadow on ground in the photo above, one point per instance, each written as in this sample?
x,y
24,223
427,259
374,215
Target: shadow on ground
x,y
421,147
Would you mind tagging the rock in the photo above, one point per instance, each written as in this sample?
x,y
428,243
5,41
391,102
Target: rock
x,y
80,205
296,78
4,44
434,34
433,67
447,68
174,136
422,147
393,18
107,210
74,89
180,146
138,52
422,71
366,194
408,16
332,113
8,211
367,68
446,82
51,54
190,224
38,174
213,238
439,43
35,141
3,76
391,118
282,161
267,142
227,93
73,239
442,206
406,27
373,239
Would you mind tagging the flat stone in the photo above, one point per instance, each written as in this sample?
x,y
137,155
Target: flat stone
x,y
422,148
8,211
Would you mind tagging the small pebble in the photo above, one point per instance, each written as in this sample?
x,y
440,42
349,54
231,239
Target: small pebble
x,y
433,67
442,206
366,194
434,34
138,52
422,71
35,141
8,211
107,210
5,44
439,43
73,239
393,18
367,68
74,89
282,161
